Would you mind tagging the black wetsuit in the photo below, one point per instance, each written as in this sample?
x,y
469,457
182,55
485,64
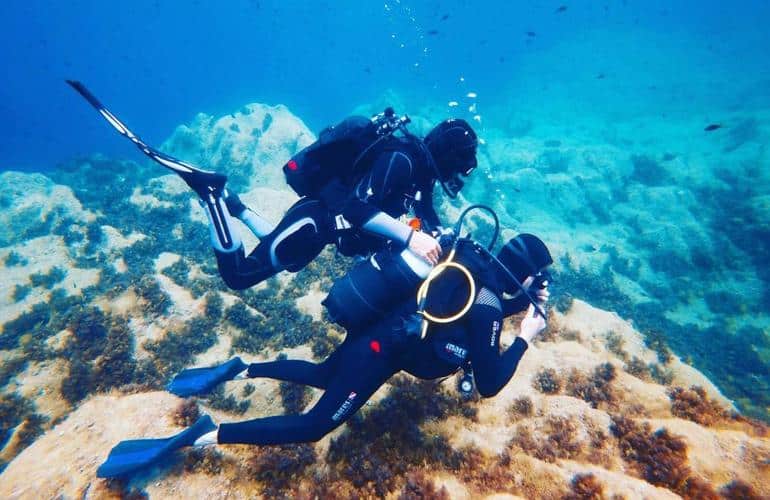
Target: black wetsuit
x,y
342,214
365,361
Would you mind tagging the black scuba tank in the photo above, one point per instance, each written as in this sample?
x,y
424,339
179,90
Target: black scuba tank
x,y
373,288
369,291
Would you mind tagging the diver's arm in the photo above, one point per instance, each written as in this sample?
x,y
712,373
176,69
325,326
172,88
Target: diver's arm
x,y
390,174
385,225
491,369
420,243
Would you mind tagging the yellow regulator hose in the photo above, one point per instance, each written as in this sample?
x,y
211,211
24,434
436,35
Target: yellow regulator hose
x,y
422,294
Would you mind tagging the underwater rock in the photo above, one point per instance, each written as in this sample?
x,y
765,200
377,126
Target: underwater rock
x,y
632,246
760,207
250,145
32,205
648,171
745,131
574,438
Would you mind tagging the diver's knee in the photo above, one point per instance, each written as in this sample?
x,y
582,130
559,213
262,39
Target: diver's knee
x,y
317,433
239,273
296,246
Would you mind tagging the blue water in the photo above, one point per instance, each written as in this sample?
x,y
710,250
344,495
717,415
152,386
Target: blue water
x,y
159,63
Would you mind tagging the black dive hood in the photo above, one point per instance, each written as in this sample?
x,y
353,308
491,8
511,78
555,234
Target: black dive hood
x,y
451,185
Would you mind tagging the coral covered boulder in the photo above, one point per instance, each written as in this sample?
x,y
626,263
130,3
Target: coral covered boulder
x,y
250,145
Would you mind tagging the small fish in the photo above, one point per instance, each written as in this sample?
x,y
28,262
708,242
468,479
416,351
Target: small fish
x,y
433,32
531,34
472,95
561,8
600,76
668,157
452,104
368,70
712,127
445,17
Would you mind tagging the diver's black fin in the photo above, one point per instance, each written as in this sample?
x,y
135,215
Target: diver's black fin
x,y
203,182
201,380
129,456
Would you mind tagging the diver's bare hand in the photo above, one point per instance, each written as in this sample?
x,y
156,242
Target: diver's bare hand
x,y
532,324
425,246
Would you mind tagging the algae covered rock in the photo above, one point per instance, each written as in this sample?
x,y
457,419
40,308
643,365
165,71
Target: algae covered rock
x,y
250,145
33,205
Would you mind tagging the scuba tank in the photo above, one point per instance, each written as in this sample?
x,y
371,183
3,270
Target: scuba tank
x,y
373,287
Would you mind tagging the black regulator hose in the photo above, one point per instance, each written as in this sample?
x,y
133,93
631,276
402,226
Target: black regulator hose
x,y
461,219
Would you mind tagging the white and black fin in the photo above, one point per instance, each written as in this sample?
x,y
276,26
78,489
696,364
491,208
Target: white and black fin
x,y
201,181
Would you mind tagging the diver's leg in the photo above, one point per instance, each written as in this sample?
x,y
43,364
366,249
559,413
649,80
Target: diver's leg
x,y
210,186
294,243
225,237
300,372
255,222
360,373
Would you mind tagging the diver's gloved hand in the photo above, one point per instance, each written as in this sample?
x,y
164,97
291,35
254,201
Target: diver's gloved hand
x,y
425,246
531,325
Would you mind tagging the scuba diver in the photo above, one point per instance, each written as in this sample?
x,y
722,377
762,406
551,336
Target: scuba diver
x,y
354,183
370,355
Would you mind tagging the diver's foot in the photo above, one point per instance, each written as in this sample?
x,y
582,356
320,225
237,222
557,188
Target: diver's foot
x,y
205,184
255,222
234,204
207,439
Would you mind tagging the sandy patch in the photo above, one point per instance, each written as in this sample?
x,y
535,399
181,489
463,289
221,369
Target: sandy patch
x,y
114,239
41,383
166,259
64,461
147,201
310,303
